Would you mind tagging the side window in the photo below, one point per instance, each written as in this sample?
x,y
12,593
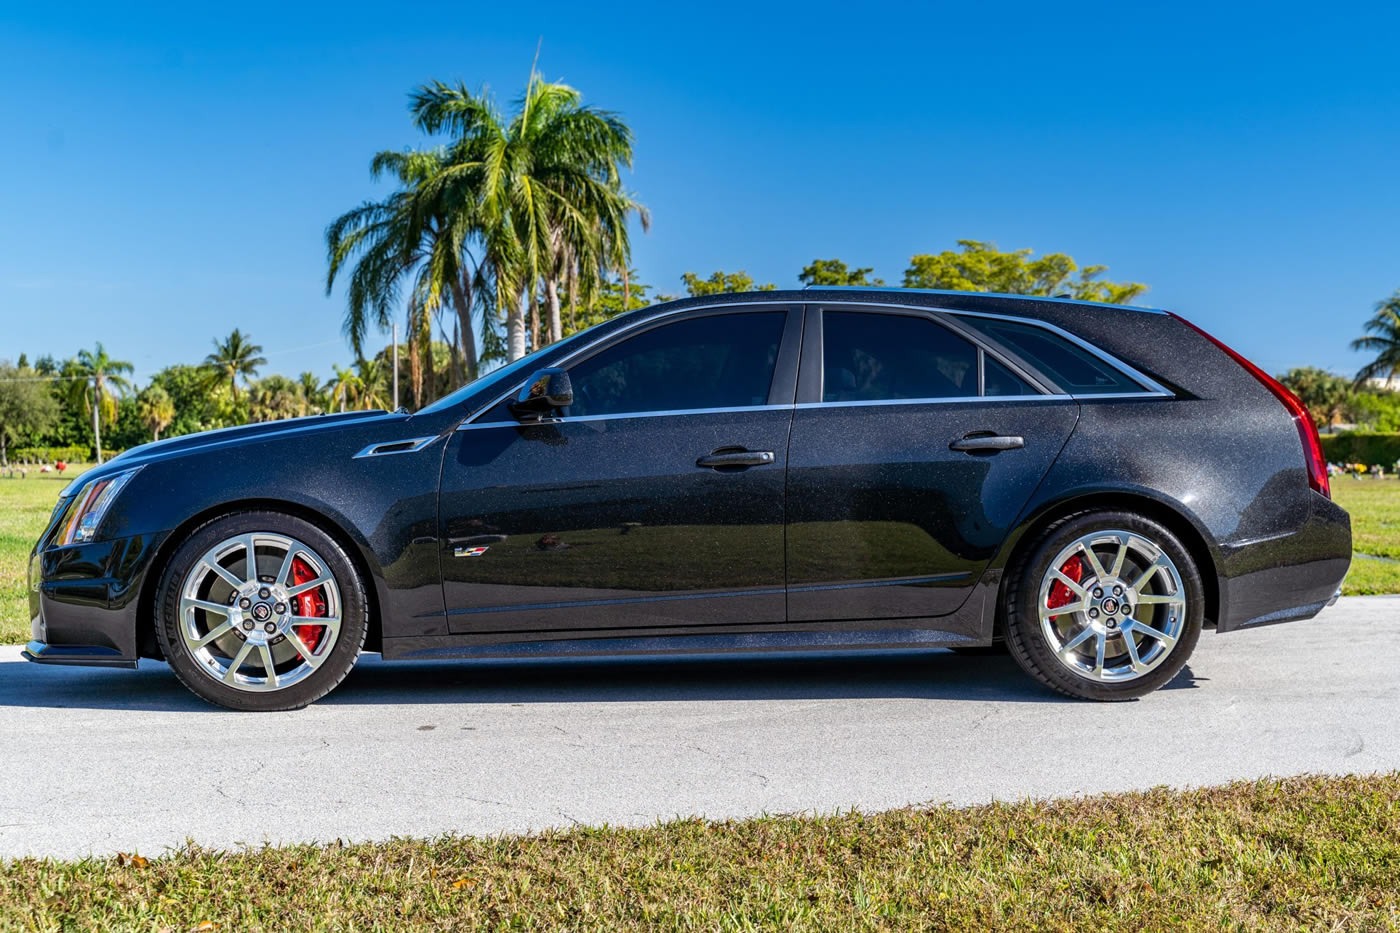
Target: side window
x,y
1000,381
1073,367
874,357
715,361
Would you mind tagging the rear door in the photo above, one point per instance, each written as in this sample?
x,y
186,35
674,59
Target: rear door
x,y
655,501
914,448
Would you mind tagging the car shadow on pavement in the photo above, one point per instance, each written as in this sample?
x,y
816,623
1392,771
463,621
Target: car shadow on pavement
x,y
925,674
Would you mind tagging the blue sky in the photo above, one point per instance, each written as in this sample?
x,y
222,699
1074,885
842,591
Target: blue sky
x,y
168,170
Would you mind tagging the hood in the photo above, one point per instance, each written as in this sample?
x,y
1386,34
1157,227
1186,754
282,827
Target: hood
x,y
185,443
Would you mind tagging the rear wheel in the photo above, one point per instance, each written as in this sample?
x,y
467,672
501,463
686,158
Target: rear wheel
x,y
260,611
1105,605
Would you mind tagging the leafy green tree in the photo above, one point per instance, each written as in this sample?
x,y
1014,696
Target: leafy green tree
x,y
376,387
198,405
155,408
233,357
344,387
1375,411
97,382
1324,394
27,406
1383,339
981,267
720,283
274,398
821,272
314,393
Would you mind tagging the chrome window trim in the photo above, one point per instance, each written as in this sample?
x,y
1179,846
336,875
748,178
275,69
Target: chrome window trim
x,y
1046,397
1155,389
415,444
475,425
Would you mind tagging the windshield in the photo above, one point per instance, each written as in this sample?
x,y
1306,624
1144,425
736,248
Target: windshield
x,y
498,379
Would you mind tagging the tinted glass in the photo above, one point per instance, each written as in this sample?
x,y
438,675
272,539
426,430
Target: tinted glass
x,y
1076,369
870,357
716,361
1001,381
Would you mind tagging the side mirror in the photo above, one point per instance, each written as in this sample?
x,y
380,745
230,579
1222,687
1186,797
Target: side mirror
x,y
545,391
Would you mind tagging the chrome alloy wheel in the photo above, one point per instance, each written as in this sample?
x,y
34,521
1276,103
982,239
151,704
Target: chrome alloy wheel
x,y
1112,606
260,611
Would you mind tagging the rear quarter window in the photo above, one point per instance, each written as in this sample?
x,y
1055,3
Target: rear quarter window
x,y
1077,370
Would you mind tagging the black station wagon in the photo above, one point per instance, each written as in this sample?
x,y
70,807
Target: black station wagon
x,y
1087,485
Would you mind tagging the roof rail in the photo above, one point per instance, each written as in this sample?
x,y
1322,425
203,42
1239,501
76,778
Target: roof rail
x,y
892,290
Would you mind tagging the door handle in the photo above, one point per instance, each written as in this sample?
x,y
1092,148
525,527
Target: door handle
x,y
730,457
975,443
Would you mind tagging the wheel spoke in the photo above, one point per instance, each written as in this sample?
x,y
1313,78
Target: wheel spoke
x,y
301,648
213,634
1151,599
1068,582
308,585
1130,643
267,665
1120,557
251,571
1068,647
332,621
206,605
1167,640
226,575
1068,609
1099,647
1095,565
286,567
237,662
1148,574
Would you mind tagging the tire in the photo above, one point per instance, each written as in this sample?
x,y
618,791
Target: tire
x,y
290,641
1162,614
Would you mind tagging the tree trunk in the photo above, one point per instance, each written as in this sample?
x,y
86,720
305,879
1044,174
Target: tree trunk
x,y
551,294
97,422
515,330
534,320
626,291
156,432
4,457
415,370
462,298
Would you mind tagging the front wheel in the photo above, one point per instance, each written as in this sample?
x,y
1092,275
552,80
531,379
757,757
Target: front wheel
x,y
260,611
1105,605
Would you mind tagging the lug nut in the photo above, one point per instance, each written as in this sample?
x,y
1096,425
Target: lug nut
x,y
245,603
248,625
264,593
280,608
1117,591
270,628
1112,623
1098,594
1093,613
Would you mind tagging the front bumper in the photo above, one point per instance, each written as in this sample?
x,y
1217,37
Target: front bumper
x,y
84,601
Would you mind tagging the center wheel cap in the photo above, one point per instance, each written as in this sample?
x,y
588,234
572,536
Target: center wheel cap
x,y
262,612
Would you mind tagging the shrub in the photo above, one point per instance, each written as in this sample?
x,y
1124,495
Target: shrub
x,y
71,454
1361,447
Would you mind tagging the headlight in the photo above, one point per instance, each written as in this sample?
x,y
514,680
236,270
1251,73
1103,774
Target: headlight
x,y
90,506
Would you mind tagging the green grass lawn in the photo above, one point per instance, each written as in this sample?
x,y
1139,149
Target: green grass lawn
x,y
1318,853
25,505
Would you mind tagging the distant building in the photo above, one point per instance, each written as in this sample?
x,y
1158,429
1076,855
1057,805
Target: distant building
x,y
1391,384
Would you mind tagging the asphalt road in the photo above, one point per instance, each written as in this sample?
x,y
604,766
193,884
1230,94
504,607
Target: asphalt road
x,y
101,761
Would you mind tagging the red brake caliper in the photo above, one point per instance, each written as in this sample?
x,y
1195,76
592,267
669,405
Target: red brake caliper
x,y
311,603
1061,595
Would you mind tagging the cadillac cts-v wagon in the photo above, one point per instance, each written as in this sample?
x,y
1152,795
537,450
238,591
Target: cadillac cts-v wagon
x,y
1087,485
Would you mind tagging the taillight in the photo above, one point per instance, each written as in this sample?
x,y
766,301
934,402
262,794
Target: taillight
x,y
1307,431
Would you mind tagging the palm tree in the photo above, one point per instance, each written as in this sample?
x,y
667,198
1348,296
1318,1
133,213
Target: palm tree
x,y
344,387
156,409
233,357
374,379
545,188
1382,339
104,377
407,236
313,392
275,398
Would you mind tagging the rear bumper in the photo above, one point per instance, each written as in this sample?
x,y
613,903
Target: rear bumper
x,y
84,600
1289,577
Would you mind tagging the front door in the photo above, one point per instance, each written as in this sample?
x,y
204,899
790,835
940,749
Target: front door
x,y
655,501
898,495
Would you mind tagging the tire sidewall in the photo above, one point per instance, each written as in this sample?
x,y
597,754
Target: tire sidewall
x,y
312,687
1027,640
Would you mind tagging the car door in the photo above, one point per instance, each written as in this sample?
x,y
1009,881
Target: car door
x,y
654,501
913,450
